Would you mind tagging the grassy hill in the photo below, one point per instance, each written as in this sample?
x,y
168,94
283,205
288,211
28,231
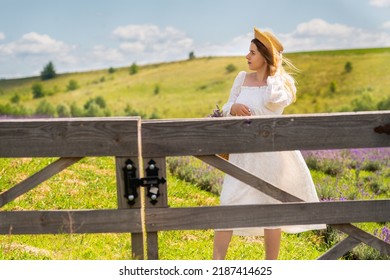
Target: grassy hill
x,y
191,88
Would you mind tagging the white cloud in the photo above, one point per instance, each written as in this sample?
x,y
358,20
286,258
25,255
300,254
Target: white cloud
x,y
33,50
319,27
133,47
380,3
386,25
237,46
2,36
318,34
35,44
102,53
151,43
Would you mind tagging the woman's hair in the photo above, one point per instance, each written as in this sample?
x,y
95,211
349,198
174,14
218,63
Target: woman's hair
x,y
280,60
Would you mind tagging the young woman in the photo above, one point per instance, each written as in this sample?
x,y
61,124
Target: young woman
x,y
266,90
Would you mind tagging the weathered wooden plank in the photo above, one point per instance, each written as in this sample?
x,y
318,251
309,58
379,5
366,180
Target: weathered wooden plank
x,y
74,137
267,215
249,178
152,245
78,221
258,134
340,249
158,219
369,239
34,180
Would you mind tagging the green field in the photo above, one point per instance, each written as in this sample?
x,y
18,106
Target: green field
x,y
192,88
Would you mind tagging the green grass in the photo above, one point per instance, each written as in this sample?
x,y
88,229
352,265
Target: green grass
x,y
190,89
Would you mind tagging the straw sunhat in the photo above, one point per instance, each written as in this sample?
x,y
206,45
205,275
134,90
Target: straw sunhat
x,y
270,42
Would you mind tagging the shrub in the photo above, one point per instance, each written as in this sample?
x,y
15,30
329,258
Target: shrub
x,y
15,99
196,172
76,111
45,109
13,110
111,70
37,90
133,69
363,103
72,85
129,111
96,107
332,87
156,89
348,67
384,104
231,68
154,115
97,100
331,167
63,111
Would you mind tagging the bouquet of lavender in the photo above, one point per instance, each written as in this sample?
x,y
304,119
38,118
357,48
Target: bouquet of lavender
x,y
216,113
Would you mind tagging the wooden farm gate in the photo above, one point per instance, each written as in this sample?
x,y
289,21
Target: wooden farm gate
x,y
140,148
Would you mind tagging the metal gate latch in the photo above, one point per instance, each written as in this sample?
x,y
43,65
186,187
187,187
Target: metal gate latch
x,y
151,181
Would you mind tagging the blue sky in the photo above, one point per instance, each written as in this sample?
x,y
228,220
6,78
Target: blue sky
x,y
80,35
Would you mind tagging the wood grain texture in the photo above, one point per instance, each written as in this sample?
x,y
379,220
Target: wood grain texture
x,y
161,219
76,221
258,134
76,137
340,249
267,215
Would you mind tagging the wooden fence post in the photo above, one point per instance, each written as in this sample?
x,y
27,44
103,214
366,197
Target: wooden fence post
x,y
137,240
162,202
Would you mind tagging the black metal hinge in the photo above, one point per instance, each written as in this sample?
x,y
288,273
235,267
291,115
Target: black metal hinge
x,y
151,181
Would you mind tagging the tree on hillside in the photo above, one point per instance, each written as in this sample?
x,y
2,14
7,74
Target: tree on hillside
x,y
37,90
191,55
48,72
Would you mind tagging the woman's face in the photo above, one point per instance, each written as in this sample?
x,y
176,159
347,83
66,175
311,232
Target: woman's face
x,y
255,60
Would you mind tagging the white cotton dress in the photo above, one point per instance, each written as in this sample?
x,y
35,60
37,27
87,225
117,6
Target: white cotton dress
x,y
286,170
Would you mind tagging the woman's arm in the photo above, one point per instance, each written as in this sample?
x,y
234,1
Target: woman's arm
x,y
234,93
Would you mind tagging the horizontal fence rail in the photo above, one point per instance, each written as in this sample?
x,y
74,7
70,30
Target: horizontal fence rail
x,y
80,137
74,137
214,217
260,134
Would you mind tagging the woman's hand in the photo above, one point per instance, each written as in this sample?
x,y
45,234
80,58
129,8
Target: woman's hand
x,y
238,109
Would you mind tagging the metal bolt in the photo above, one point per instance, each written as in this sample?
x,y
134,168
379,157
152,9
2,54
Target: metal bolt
x,y
153,197
152,166
131,197
129,166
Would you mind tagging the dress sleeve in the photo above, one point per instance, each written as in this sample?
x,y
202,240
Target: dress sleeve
x,y
234,93
280,91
